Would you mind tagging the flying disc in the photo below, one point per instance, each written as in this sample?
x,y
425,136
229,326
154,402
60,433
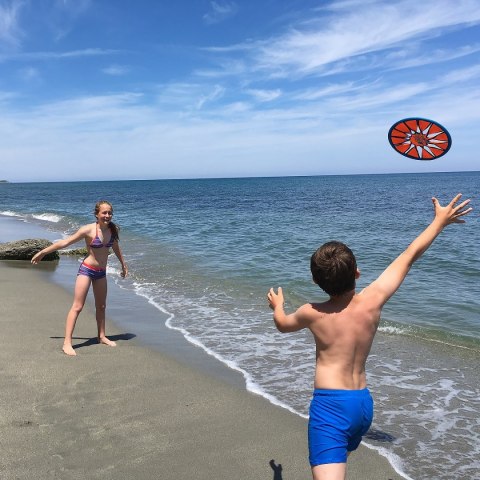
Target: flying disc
x,y
419,138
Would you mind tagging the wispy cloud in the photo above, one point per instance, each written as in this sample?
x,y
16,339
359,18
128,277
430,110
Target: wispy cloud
x,y
116,70
7,96
349,37
10,31
380,97
377,27
62,17
310,94
73,7
265,95
225,68
462,75
327,86
188,97
42,56
115,128
220,11
415,56
29,74
217,92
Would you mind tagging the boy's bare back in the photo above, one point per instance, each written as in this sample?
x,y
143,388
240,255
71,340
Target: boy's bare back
x,y
343,329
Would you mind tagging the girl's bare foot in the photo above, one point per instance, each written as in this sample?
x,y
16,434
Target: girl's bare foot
x,y
68,350
106,341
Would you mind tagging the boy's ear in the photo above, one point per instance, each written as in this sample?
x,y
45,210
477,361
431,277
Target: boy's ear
x,y
357,274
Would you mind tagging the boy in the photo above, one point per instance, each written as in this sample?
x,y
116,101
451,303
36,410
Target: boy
x,y
341,410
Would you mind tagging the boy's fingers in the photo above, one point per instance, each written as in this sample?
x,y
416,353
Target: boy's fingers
x,y
463,204
464,212
456,198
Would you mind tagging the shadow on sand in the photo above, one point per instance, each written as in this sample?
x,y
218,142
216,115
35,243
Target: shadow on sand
x,y
94,340
277,470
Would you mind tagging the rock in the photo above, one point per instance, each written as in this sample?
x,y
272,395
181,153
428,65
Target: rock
x,y
25,249
75,252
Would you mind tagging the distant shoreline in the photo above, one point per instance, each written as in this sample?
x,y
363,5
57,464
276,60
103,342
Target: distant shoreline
x,y
193,179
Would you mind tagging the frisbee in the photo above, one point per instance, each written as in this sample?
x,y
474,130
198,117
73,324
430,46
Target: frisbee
x,y
419,138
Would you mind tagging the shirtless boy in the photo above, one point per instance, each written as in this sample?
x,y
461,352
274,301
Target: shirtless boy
x,y
344,326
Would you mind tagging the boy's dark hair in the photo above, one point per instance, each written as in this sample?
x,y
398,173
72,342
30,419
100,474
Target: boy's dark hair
x,y
334,268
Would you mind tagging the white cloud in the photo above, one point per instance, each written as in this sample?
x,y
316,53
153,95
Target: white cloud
x,y
380,97
29,74
73,7
327,91
7,96
225,68
462,75
133,137
415,56
238,109
217,92
315,46
186,98
220,11
116,70
10,32
265,95
43,56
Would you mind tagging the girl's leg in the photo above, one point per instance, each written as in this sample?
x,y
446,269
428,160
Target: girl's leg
x,y
100,293
82,285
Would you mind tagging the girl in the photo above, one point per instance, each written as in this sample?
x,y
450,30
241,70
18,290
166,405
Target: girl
x,y
99,238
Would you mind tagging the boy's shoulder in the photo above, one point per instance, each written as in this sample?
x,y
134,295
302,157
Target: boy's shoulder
x,y
313,310
357,300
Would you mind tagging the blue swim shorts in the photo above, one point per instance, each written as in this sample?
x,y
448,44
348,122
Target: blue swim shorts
x,y
338,420
94,273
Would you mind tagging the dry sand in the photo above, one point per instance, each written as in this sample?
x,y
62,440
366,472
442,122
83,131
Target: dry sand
x,y
129,412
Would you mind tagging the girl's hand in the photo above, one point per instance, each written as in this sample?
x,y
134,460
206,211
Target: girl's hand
x,y
37,258
124,271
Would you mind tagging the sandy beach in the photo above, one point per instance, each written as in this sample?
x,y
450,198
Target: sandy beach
x,y
130,412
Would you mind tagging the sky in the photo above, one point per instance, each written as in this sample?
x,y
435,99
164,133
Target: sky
x,y
151,89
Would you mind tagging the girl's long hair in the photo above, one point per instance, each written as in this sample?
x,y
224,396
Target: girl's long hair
x,y
114,229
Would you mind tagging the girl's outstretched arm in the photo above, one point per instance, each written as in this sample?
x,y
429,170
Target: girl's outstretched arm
x,y
79,235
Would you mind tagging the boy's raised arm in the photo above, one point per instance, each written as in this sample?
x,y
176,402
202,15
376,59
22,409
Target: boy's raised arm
x,y
391,279
285,323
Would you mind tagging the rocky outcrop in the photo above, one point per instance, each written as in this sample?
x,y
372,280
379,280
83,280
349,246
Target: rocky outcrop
x,y
25,249
75,252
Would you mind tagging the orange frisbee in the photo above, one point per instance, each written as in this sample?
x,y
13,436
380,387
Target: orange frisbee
x,y
419,138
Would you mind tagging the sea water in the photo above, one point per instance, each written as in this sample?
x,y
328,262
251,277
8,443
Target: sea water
x,y
205,253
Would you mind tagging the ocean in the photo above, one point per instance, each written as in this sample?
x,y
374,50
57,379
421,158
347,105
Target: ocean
x,y
205,252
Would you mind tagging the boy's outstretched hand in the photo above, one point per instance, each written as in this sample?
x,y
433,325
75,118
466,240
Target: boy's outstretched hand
x,y
451,213
275,299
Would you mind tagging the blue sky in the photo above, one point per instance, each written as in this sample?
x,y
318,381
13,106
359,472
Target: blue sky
x,y
117,89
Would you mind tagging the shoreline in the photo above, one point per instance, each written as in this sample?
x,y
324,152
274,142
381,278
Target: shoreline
x,y
213,383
